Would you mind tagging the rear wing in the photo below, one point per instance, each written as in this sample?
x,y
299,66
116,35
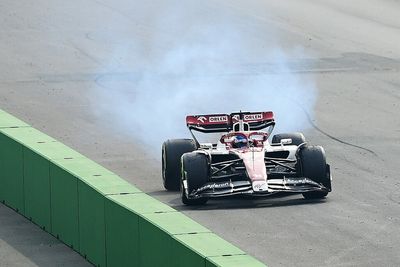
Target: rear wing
x,y
219,123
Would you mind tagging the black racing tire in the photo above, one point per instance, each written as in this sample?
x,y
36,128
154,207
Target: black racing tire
x,y
196,172
172,151
297,138
312,164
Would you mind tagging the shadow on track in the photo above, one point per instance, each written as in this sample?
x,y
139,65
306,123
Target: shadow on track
x,y
241,202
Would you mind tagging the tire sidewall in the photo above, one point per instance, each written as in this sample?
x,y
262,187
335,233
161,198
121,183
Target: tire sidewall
x,y
172,151
195,171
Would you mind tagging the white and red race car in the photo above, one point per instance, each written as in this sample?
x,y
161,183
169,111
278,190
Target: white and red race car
x,y
243,161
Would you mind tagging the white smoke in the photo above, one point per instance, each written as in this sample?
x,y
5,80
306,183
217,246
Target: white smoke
x,y
206,66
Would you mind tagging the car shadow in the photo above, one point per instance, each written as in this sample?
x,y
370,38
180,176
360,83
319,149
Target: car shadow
x,y
243,203
238,202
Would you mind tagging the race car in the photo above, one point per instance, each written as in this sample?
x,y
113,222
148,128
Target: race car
x,y
243,161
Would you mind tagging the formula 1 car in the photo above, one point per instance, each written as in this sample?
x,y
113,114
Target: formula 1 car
x,y
243,161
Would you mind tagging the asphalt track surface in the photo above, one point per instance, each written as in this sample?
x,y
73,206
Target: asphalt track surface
x,y
50,52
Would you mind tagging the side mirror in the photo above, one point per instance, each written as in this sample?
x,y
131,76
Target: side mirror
x,y
286,141
226,139
258,137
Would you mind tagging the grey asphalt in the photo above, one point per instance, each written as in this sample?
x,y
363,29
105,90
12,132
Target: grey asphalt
x,y
56,55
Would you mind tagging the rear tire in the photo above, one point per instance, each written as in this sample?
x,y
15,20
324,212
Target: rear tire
x,y
172,151
195,170
297,138
312,164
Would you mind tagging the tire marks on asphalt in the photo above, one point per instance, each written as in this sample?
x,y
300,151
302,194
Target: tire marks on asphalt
x,y
312,123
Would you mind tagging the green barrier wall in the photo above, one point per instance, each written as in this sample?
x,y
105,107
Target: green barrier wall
x,y
11,175
37,189
104,218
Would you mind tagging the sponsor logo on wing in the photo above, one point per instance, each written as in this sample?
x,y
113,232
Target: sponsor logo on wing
x,y
214,186
253,117
260,186
218,119
202,119
297,181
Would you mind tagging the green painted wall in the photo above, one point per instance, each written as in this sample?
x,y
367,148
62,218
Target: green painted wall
x,y
100,215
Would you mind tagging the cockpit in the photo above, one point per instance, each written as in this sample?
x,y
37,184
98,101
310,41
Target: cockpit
x,y
241,140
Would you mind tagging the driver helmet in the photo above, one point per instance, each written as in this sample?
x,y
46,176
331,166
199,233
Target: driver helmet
x,y
240,141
